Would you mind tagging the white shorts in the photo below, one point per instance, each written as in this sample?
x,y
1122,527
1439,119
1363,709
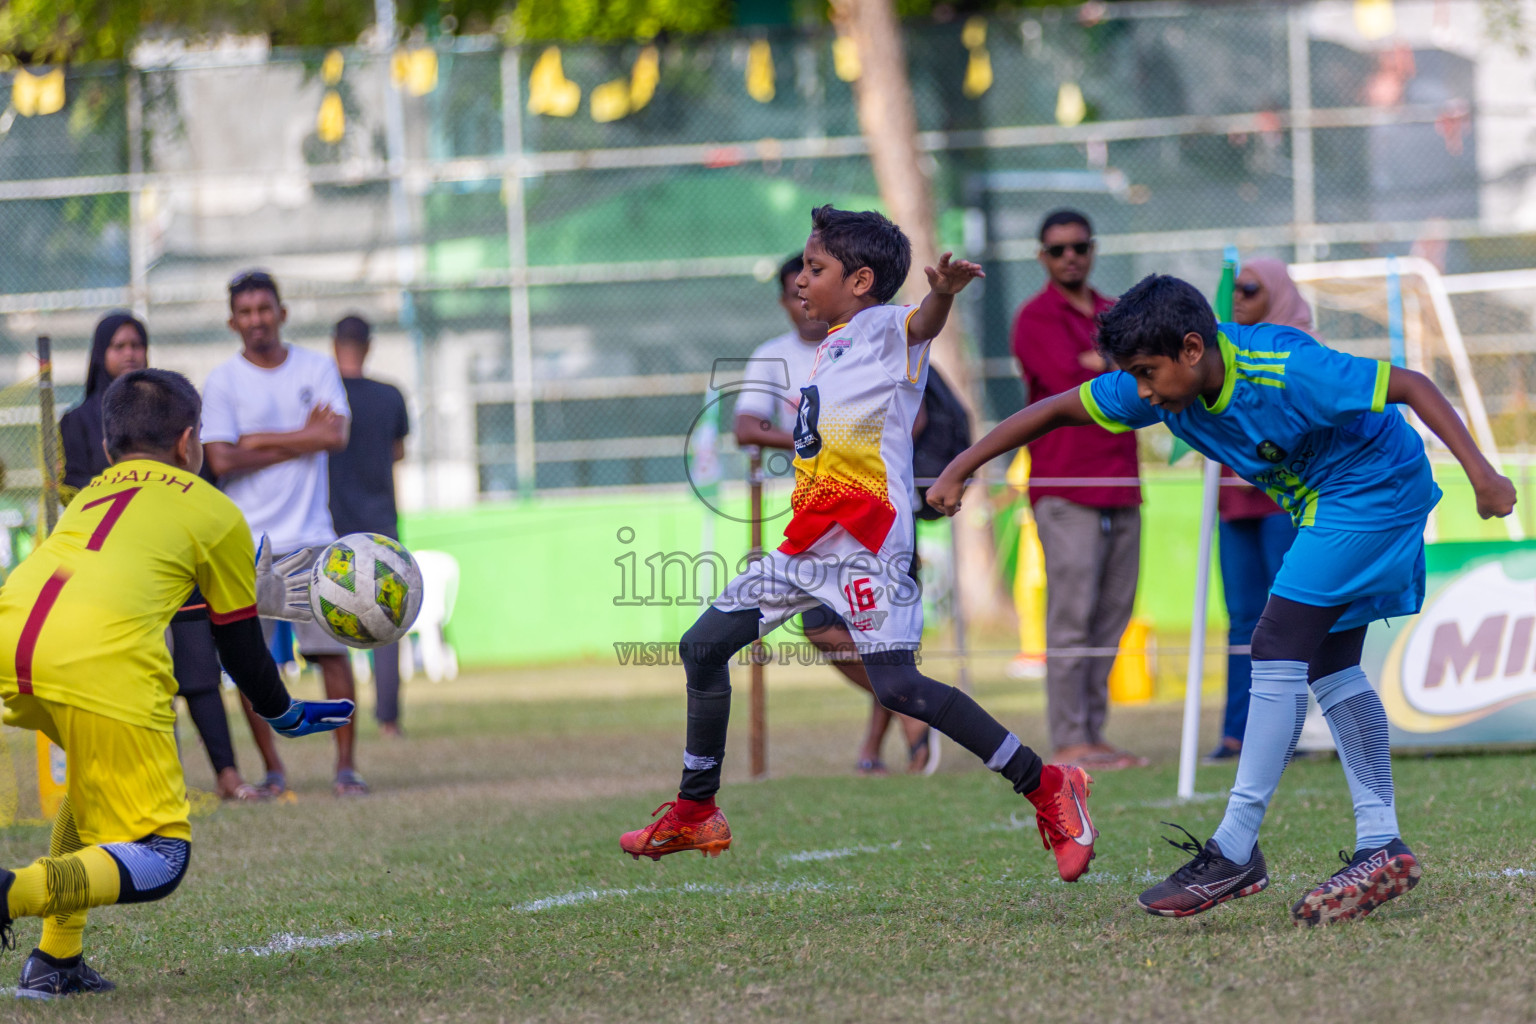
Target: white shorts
x,y
874,593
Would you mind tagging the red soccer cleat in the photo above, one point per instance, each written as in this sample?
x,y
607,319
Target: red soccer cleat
x,y
687,825
1061,811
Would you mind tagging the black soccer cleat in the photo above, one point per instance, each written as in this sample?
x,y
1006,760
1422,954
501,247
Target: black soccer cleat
x,y
44,977
1205,881
1369,879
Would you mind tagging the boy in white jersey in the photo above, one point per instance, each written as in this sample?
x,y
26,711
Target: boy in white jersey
x,y
765,417
849,543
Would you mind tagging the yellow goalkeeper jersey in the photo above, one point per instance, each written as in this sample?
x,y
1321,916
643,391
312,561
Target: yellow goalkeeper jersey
x,y
86,613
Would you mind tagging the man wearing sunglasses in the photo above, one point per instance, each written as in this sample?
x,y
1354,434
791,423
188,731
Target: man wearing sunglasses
x,y
1090,534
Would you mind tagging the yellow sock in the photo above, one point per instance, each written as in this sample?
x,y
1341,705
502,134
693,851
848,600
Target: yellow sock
x,y
64,934
54,886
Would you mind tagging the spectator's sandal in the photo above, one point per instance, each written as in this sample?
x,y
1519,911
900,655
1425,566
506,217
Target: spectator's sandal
x,y
275,787
349,783
923,757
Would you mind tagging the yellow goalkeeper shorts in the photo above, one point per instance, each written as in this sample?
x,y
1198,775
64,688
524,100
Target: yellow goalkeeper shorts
x,y
124,781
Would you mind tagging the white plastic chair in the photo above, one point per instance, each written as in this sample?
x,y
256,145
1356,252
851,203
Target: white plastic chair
x,y
426,640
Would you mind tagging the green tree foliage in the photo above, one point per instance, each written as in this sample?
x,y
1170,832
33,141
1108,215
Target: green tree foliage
x,y
616,19
49,31
52,31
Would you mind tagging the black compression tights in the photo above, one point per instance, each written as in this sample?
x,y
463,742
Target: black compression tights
x,y
706,651
196,663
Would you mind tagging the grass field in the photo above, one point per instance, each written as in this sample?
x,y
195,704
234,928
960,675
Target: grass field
x,y
482,882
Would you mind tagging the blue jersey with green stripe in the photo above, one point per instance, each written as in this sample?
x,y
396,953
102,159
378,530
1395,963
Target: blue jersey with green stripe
x,y
1308,425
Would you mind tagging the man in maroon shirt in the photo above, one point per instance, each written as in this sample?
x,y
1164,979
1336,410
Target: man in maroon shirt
x,y
1091,535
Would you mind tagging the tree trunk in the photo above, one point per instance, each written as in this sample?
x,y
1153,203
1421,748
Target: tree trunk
x,y
888,119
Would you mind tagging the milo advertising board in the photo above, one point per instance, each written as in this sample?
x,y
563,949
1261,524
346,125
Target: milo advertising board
x,y
1463,671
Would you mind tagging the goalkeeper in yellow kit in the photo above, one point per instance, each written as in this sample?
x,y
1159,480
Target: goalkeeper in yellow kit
x,y
83,660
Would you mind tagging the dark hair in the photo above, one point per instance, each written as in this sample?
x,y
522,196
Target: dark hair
x,y
253,281
865,240
96,378
1153,318
353,329
790,268
1056,218
147,410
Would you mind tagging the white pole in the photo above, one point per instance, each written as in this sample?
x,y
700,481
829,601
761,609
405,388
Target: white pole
x,y
1190,742
521,332
1303,176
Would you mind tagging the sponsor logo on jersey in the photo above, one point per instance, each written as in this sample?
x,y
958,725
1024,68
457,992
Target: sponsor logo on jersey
x,y
807,440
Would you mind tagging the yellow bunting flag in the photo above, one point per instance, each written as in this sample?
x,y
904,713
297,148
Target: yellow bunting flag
x,y
1070,106
644,78
622,97
845,59
609,101
549,91
415,71
331,122
760,71
1375,19
978,70
332,67
38,95
974,34
978,73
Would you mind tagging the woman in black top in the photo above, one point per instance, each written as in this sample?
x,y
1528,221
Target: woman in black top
x,y
121,344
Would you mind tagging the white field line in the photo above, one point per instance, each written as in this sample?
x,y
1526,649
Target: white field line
x,y
1147,877
809,856
1013,824
1143,877
567,899
287,942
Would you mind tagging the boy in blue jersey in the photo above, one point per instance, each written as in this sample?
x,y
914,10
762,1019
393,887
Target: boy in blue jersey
x,y
1314,429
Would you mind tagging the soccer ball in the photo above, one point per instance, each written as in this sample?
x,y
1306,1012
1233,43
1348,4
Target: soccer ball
x,y
365,590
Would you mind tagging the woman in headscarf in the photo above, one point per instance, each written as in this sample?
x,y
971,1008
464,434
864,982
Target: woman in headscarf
x,y
121,344
1255,532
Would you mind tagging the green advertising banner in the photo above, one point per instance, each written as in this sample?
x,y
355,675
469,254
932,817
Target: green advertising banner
x,y
1461,672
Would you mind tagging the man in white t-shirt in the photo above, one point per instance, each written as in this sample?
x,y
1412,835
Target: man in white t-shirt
x,y
270,416
765,417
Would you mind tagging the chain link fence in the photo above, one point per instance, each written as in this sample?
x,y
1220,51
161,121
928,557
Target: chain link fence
x,y
554,245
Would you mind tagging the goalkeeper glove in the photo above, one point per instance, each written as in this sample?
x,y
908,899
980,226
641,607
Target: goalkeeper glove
x,y
282,590
310,716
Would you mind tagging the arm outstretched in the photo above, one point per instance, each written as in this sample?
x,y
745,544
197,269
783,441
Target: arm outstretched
x,y
1026,425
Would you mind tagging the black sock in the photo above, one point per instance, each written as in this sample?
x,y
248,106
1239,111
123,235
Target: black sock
x,y
709,714
707,649
901,687
1023,770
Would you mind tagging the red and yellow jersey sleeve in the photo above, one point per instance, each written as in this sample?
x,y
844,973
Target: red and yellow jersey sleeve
x,y
227,576
83,619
